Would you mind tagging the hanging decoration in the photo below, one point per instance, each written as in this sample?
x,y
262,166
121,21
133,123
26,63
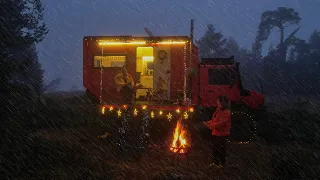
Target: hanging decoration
x,y
144,136
101,77
253,124
185,73
153,112
123,130
162,55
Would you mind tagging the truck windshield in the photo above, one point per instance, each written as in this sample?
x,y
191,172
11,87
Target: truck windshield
x,y
223,76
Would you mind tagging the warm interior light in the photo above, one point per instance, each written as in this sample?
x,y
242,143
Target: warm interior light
x,y
105,43
147,58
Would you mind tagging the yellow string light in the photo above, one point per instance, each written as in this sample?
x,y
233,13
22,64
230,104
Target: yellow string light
x,y
160,112
152,114
111,108
144,107
185,115
191,109
169,116
135,112
178,110
119,113
103,110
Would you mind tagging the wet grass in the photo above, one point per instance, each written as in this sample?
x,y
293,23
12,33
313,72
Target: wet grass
x,y
61,143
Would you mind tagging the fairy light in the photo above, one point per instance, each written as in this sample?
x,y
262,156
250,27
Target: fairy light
x,y
101,76
191,109
254,130
110,43
135,112
185,115
185,71
119,113
103,110
171,42
178,110
169,116
152,114
144,107
111,108
160,112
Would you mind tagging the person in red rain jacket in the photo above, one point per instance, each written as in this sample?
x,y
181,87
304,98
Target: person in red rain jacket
x,y
220,125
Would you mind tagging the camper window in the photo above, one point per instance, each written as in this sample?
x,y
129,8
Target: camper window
x,y
109,61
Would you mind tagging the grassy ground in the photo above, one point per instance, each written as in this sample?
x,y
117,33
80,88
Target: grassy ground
x,y
62,143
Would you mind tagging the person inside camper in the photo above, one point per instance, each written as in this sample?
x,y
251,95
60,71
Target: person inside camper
x,y
125,85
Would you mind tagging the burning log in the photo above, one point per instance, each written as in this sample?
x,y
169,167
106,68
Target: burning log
x,y
180,143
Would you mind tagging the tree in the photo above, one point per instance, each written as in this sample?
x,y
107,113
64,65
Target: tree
x,y
21,28
29,71
211,44
281,18
52,85
231,47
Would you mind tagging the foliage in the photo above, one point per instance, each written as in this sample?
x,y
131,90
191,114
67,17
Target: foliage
x,y
21,28
281,18
211,44
52,85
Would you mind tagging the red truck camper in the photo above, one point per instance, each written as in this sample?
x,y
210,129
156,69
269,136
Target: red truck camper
x,y
147,59
192,86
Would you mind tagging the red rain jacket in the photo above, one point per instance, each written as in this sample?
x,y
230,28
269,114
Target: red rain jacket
x,y
220,123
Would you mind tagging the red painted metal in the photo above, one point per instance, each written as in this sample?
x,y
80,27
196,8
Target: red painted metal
x,y
208,94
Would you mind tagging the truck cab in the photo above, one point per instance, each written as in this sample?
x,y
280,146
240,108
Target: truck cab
x,y
221,76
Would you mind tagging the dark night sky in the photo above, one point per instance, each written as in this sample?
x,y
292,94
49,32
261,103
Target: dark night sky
x,y
70,20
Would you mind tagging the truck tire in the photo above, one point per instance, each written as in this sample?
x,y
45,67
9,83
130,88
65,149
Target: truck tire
x,y
243,127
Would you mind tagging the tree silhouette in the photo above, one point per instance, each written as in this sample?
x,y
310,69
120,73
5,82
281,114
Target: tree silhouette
x,y
21,28
281,18
212,43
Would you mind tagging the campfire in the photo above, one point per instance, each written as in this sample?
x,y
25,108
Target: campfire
x,y
180,143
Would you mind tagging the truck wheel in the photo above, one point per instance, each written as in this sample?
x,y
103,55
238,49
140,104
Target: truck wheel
x,y
243,127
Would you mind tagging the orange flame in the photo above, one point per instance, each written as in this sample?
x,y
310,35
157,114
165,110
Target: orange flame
x,y
179,142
